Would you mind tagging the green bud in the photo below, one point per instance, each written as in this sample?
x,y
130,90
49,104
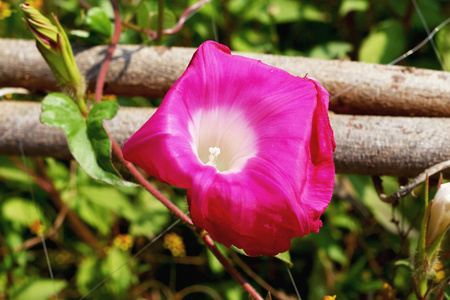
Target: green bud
x,y
435,223
54,46
439,221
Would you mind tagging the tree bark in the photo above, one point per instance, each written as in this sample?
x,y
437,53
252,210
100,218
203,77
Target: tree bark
x,y
355,88
371,145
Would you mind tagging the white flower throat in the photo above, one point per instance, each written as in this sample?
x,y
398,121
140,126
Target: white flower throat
x,y
213,153
222,138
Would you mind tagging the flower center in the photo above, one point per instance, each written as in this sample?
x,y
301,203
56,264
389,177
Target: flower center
x,y
226,132
213,153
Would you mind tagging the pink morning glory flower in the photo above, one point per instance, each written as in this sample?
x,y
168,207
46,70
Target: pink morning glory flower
x,y
252,145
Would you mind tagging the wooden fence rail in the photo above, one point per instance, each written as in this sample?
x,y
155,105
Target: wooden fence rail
x,y
150,71
372,145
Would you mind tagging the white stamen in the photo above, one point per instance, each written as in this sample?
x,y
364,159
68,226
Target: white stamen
x,y
213,153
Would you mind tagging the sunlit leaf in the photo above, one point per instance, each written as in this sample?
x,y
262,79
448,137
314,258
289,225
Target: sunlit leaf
x,y
353,5
114,265
384,44
98,20
88,275
286,11
286,257
20,211
443,45
38,289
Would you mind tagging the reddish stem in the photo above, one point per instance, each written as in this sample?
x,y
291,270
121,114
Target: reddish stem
x,y
172,207
184,17
109,54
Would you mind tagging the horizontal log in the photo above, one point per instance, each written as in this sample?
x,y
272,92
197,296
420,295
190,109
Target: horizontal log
x,y
372,145
356,88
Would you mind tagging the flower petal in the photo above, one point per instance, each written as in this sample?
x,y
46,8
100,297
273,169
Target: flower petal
x,y
274,174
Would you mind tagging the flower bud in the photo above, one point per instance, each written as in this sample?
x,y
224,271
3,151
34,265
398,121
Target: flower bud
x,y
54,46
439,221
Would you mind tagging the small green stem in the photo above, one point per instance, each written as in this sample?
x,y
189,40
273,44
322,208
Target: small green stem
x,y
422,287
82,106
160,20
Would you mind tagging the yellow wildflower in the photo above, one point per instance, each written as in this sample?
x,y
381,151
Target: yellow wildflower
x,y
174,243
123,241
440,272
5,12
37,228
329,297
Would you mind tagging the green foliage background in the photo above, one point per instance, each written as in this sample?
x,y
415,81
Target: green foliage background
x,y
363,248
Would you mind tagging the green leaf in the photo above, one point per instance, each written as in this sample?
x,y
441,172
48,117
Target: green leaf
x,y
109,198
58,110
142,16
214,264
93,214
40,289
115,265
88,275
9,171
384,44
353,5
150,216
20,211
169,20
286,257
331,50
98,137
98,21
286,11
443,45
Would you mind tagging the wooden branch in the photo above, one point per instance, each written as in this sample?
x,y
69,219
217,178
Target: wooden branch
x,y
372,145
150,71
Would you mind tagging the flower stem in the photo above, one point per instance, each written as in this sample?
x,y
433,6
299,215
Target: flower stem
x,y
109,54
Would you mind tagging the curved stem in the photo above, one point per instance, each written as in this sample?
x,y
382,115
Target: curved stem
x,y
104,68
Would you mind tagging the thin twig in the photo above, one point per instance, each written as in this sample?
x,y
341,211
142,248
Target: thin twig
x,y
410,186
109,55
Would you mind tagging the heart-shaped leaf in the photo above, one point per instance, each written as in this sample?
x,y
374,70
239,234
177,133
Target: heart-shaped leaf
x,y
58,110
